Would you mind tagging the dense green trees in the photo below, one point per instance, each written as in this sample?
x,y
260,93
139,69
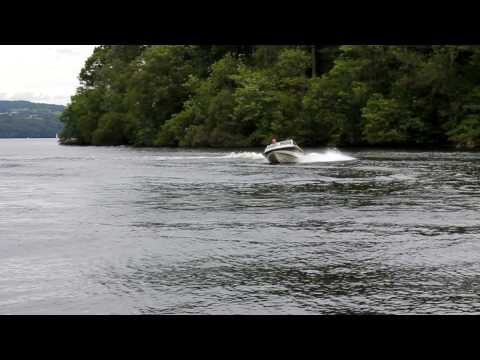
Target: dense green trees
x,y
243,95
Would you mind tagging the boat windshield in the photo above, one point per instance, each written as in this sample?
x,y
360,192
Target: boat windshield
x,y
281,143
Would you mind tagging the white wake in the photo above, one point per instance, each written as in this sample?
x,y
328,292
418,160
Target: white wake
x,y
331,155
327,156
244,155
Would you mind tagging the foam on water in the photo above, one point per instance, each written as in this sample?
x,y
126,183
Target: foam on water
x,y
244,155
233,155
327,156
183,157
330,155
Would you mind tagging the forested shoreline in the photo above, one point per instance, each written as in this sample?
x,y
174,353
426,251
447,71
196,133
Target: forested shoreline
x,y
24,119
243,95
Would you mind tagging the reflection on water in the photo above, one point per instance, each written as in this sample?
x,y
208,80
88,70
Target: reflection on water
x,y
120,230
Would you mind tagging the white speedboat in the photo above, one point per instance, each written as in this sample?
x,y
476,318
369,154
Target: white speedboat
x,y
283,152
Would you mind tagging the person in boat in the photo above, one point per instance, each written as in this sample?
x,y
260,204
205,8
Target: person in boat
x,y
274,141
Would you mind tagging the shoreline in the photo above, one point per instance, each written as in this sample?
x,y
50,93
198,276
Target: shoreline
x,y
443,148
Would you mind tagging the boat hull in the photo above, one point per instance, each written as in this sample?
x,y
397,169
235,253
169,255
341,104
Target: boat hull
x,y
283,156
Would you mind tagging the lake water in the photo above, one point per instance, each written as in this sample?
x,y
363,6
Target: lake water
x,y
87,230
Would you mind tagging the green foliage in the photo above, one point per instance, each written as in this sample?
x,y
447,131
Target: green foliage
x,y
208,113
243,95
333,105
387,122
466,133
269,102
110,130
157,89
266,56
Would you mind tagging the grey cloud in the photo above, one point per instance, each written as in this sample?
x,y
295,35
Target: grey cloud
x,y
36,97
67,51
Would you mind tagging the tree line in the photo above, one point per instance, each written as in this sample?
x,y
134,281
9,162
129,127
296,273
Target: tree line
x,y
243,95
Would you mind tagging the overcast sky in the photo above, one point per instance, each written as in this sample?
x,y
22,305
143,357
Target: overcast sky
x,y
41,73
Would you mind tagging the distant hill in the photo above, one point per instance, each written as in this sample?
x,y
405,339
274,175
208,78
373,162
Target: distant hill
x,y
22,119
